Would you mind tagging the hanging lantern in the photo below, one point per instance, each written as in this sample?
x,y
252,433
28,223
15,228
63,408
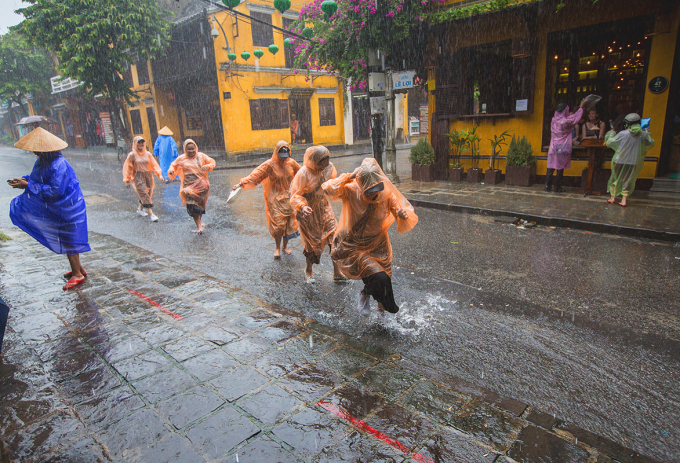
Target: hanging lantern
x,y
245,55
273,49
281,5
231,3
290,43
329,7
232,56
308,32
258,53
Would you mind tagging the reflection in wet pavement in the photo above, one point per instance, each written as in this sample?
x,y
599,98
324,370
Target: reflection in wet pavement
x,y
101,373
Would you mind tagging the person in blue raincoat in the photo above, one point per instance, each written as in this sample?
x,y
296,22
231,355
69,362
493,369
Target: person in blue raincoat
x,y
165,149
52,208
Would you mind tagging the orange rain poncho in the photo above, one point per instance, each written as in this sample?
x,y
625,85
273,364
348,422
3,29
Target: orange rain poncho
x,y
316,230
138,169
193,173
361,246
276,174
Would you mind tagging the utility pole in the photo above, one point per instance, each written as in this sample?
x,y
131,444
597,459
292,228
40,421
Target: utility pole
x,y
390,167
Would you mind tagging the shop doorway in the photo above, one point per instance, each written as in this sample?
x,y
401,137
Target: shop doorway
x,y
669,160
361,117
300,110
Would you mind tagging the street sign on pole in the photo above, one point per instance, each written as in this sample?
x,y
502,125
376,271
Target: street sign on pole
x,y
403,80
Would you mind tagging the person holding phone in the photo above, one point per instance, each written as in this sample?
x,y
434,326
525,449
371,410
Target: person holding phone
x,y
630,148
52,207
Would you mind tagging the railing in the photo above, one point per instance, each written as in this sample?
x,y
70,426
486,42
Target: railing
x,y
61,85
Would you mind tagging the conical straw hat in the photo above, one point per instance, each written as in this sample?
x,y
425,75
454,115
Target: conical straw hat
x,y
165,131
41,141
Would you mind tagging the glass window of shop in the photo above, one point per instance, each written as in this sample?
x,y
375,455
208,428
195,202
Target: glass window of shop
x,y
609,60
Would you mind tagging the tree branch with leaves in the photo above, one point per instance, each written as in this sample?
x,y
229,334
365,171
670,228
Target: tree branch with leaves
x,y
94,41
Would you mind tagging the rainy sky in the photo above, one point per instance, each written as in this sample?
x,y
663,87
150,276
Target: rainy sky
x,y
7,16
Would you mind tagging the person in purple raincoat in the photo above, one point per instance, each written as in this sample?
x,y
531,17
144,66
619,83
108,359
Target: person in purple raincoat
x,y
559,154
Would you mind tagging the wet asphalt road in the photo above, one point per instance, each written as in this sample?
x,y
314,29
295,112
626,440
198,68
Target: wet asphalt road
x,y
581,325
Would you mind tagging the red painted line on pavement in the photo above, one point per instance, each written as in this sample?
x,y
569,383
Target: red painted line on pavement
x,y
156,304
340,413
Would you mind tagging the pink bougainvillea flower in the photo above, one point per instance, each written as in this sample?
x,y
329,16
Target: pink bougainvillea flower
x,y
390,14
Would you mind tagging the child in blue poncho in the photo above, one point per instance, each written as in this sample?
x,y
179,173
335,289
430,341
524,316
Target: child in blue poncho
x,y
52,208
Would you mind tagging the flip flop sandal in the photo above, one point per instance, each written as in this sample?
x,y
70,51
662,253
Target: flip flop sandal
x,y
623,205
68,275
73,282
339,278
309,279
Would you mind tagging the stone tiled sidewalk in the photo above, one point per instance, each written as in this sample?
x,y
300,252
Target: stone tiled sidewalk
x,y
649,215
151,361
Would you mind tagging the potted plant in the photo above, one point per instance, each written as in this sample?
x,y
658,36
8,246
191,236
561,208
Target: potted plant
x,y
520,162
475,174
493,175
459,144
422,161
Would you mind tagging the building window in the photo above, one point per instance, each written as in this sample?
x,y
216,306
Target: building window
x,y
487,80
326,111
269,114
609,60
136,119
142,72
288,52
263,35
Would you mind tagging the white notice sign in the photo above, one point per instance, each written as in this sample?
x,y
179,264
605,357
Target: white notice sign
x,y
522,105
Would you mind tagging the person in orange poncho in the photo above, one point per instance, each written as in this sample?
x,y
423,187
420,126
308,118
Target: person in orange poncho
x,y
361,247
313,210
138,171
276,174
192,167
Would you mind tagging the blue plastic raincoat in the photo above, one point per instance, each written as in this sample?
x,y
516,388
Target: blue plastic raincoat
x,y
52,208
166,150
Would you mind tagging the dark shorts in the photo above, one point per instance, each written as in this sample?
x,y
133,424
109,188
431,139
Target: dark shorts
x,y
379,285
194,210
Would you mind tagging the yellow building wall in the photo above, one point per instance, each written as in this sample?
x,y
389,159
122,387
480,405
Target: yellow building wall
x,y
497,27
146,91
166,112
241,80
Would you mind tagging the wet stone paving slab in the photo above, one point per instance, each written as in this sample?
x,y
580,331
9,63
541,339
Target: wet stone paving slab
x,y
152,361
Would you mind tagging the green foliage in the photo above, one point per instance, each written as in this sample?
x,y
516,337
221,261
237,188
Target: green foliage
x,y
4,237
459,144
341,41
422,154
520,152
96,39
496,143
456,13
7,140
23,70
473,141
